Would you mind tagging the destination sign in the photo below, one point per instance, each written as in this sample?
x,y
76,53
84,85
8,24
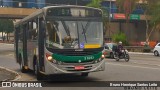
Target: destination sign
x,y
74,12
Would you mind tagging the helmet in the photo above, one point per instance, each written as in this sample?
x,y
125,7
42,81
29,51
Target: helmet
x,y
120,42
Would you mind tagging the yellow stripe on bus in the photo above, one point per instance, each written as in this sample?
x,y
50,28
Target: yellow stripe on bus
x,y
92,46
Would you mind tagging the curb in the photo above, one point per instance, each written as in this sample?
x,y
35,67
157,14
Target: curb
x,y
139,53
7,43
18,76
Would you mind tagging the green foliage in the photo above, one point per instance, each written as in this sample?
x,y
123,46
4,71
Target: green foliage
x,y
95,3
6,25
10,26
120,37
151,8
155,14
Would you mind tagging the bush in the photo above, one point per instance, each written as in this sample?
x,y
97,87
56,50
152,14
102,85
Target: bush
x,y
146,48
120,37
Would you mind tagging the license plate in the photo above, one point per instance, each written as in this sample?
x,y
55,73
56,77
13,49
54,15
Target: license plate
x,y
79,67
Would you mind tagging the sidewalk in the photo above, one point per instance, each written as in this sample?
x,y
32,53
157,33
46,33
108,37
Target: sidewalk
x,y
7,75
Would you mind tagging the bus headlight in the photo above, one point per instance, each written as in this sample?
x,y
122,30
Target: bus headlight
x,y
103,56
49,57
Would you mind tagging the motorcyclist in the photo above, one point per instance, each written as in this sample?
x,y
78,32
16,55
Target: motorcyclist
x,y
119,48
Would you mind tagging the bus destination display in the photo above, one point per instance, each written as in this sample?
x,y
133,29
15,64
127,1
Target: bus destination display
x,y
74,12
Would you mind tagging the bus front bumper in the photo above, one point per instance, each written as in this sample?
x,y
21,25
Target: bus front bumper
x,y
51,68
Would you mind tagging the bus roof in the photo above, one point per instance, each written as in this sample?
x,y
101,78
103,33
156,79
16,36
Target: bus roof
x,y
41,11
70,6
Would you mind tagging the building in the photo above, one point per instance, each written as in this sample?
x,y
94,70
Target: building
x,y
135,30
40,3
7,3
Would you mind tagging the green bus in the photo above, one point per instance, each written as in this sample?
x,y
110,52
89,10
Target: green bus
x,y
60,40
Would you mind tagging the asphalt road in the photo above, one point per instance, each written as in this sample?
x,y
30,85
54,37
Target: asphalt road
x,y
139,68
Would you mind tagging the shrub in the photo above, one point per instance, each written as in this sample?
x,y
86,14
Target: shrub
x,y
120,37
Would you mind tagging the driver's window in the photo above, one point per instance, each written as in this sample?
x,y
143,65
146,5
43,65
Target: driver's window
x,y
52,33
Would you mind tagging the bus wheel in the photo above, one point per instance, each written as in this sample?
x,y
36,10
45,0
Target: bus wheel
x,y
84,74
22,68
39,75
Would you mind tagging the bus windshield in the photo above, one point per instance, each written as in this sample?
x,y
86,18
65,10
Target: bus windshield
x,y
73,34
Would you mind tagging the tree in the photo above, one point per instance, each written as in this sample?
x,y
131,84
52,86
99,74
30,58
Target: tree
x,y
6,26
151,8
97,4
155,20
9,28
2,25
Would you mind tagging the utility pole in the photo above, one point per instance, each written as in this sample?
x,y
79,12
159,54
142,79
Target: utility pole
x,y
109,16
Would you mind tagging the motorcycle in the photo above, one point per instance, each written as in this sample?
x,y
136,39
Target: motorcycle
x,y
122,55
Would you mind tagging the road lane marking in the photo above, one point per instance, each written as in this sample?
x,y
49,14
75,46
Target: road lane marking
x,y
10,54
133,66
147,64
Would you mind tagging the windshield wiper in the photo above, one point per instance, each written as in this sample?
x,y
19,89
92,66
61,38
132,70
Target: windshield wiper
x,y
66,28
84,32
85,29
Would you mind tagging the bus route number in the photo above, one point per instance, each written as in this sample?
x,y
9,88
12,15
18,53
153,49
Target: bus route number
x,y
89,57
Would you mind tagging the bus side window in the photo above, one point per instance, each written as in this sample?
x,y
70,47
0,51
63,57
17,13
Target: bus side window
x,y
20,39
32,32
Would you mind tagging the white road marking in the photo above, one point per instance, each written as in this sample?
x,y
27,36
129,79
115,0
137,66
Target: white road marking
x,y
133,66
18,75
146,64
10,54
16,78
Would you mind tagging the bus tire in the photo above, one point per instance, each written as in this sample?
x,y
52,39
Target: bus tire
x,y
39,75
84,74
22,68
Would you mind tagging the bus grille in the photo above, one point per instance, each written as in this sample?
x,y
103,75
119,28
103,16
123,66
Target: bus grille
x,y
79,53
74,52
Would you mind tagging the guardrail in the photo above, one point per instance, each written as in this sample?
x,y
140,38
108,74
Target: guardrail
x,y
138,48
